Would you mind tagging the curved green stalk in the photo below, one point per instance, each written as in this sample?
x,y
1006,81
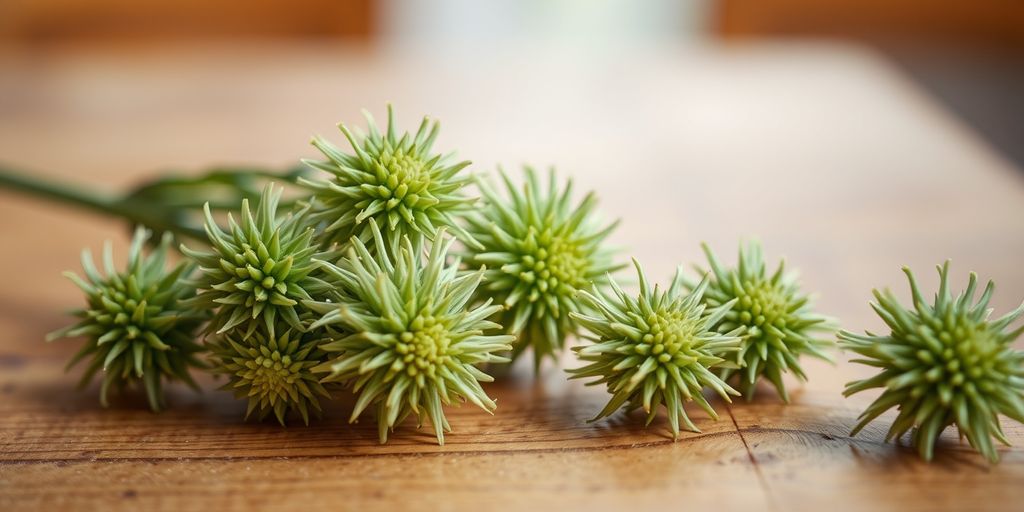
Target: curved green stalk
x,y
90,200
168,203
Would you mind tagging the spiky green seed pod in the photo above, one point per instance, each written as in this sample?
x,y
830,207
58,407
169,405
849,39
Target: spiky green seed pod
x,y
273,370
407,342
942,364
137,326
258,271
656,349
541,248
395,180
776,319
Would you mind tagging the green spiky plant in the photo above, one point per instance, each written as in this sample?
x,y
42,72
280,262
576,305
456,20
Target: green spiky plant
x,y
775,317
942,364
272,370
258,271
396,180
407,342
138,330
541,248
658,348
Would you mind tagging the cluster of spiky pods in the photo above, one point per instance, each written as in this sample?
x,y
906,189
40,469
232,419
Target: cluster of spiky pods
x,y
356,288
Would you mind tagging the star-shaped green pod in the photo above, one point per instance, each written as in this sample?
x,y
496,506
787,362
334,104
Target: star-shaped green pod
x,y
273,370
776,319
407,342
138,329
658,348
258,271
396,180
942,364
540,248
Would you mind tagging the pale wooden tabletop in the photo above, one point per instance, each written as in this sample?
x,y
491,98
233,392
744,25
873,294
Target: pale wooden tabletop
x,y
825,153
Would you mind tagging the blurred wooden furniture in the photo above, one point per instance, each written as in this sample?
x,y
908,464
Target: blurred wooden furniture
x,y
47,21
978,22
824,153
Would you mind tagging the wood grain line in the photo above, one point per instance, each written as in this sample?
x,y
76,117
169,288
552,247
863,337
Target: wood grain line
x,y
587,449
772,505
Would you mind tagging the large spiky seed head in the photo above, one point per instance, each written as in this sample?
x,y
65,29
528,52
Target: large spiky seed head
x,y
403,334
657,348
395,180
774,315
942,364
138,329
541,248
257,272
272,370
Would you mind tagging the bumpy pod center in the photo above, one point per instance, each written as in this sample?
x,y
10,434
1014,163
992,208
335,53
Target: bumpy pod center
x,y
126,312
670,338
551,264
961,356
401,179
423,348
761,305
271,372
260,275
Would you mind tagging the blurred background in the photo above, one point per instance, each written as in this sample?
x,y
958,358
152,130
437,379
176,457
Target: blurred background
x,y
967,53
849,135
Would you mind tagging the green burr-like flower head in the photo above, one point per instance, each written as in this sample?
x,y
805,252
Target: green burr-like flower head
x,y
257,271
137,327
659,348
395,180
404,336
541,248
272,370
942,364
775,317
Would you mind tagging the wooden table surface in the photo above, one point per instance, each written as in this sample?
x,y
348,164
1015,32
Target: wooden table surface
x,y
825,153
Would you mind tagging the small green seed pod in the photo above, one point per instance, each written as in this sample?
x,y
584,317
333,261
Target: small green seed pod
x,y
258,271
539,248
404,336
395,180
139,330
272,370
942,364
657,348
775,317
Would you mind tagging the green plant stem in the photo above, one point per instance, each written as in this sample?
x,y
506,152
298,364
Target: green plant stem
x,y
58,192
148,215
